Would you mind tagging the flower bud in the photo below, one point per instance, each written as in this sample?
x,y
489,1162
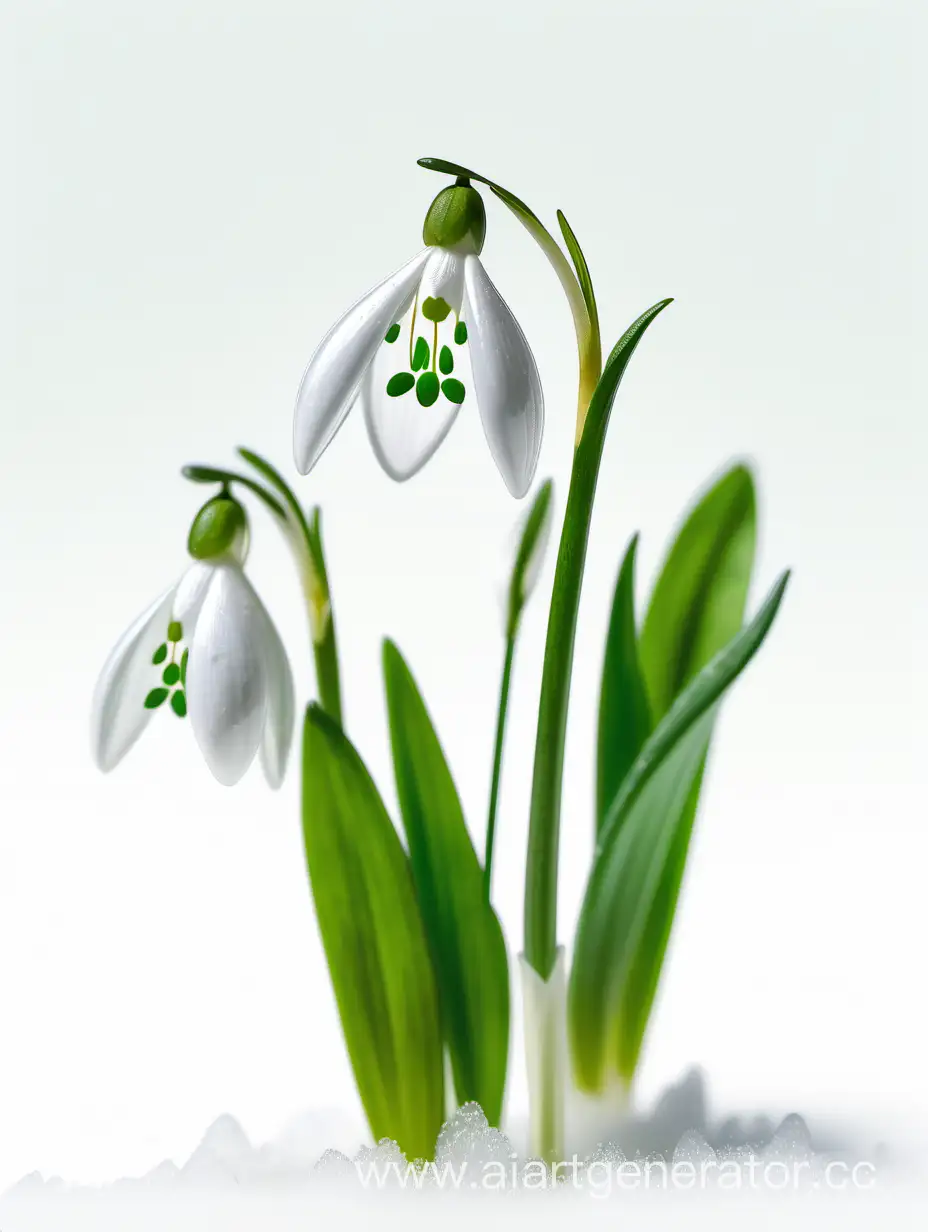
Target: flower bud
x,y
219,529
456,219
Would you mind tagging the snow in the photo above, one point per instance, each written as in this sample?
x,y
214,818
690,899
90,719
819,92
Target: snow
x,y
231,1183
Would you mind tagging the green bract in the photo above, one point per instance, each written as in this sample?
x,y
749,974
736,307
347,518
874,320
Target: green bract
x,y
456,219
219,529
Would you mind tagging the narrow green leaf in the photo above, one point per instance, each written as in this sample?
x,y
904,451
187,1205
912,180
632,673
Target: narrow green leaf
x,y
698,601
465,937
547,780
624,712
640,988
696,609
374,941
530,552
634,844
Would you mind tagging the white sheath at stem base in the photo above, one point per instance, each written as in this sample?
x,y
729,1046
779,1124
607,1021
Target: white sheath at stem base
x,y
545,1010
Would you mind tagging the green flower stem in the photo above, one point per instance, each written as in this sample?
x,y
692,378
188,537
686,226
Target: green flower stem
x,y
498,763
322,625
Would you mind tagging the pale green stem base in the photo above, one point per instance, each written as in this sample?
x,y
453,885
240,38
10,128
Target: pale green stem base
x,y
545,1011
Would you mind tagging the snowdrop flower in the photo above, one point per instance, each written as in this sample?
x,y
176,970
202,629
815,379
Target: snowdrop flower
x,y
207,647
414,349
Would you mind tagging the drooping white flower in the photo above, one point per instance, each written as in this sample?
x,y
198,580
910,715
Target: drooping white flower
x,y
414,348
208,648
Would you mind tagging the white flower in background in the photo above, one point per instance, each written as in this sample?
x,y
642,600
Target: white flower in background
x,y
412,348
209,649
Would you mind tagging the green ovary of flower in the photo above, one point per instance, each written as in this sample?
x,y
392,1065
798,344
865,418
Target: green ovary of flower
x,y
456,219
219,528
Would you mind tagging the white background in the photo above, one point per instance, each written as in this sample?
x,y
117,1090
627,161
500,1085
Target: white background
x,y
197,192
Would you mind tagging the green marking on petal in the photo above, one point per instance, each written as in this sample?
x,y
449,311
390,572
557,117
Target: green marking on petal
x,y
392,333
179,703
171,674
160,654
446,360
175,631
420,356
453,390
183,667
155,698
427,389
435,309
460,333
400,384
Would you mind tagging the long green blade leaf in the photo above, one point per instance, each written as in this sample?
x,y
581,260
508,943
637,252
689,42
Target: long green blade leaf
x,y
697,607
698,601
640,988
624,712
547,778
467,945
374,941
634,844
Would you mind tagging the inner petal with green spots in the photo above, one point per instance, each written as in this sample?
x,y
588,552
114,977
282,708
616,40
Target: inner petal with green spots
x,y
430,354
173,672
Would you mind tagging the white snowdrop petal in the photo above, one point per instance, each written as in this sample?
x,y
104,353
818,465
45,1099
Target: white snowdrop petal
x,y
118,714
443,278
281,706
226,675
404,434
333,376
190,593
506,380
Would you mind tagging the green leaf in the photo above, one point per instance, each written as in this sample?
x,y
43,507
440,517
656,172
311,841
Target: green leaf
x,y
547,780
179,703
634,1007
466,941
171,673
697,608
533,542
155,698
634,846
160,654
374,941
698,602
624,712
